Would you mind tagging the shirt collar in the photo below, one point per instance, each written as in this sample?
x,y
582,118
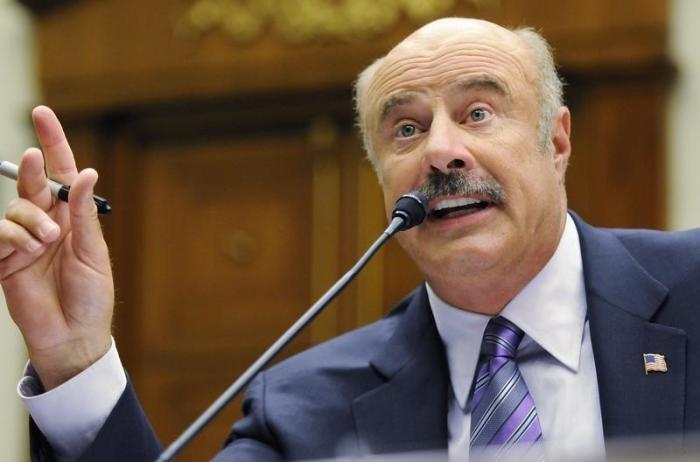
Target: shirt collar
x,y
550,309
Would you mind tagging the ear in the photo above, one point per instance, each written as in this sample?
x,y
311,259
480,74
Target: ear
x,y
561,142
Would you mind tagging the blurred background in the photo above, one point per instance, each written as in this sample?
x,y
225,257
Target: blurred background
x,y
223,134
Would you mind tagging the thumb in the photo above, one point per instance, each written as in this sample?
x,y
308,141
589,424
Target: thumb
x,y
87,241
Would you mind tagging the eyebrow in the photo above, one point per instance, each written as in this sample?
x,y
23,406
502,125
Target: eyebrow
x,y
485,82
395,101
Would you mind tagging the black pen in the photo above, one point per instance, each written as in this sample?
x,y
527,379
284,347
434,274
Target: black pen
x,y
58,190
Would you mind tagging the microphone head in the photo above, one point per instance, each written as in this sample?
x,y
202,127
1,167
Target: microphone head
x,y
411,208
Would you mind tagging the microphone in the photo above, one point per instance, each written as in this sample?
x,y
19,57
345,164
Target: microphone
x,y
410,210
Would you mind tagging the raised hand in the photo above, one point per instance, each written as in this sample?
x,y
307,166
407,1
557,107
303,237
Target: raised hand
x,y
54,264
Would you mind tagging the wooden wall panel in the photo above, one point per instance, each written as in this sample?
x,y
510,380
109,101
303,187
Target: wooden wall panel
x,y
223,271
214,278
617,176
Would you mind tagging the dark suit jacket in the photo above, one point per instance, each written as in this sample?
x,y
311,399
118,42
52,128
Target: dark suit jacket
x,y
383,388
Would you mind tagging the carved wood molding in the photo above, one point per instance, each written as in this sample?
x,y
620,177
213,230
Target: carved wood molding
x,y
303,21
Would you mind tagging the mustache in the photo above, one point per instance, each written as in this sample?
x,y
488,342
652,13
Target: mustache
x,y
460,183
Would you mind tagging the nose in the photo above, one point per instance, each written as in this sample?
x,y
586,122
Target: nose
x,y
446,147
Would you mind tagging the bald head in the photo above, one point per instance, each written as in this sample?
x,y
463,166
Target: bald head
x,y
442,31
523,48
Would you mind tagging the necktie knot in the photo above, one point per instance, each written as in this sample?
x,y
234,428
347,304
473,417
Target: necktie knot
x,y
501,338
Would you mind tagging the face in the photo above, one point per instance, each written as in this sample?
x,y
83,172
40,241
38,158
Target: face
x,y
462,99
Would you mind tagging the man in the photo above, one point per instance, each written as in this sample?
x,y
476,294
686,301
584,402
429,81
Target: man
x,y
471,114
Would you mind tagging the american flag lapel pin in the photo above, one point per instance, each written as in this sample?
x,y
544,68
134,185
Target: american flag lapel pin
x,y
654,362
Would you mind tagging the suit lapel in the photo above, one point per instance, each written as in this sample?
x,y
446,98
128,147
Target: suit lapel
x,y
622,298
408,412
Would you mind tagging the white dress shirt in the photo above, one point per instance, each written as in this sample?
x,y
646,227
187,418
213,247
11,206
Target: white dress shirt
x,y
555,357
71,415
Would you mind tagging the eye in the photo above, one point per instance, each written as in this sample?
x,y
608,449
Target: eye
x,y
406,131
478,115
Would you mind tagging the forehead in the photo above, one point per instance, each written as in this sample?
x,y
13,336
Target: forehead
x,y
448,60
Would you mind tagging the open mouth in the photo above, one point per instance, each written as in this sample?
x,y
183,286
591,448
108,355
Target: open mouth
x,y
457,207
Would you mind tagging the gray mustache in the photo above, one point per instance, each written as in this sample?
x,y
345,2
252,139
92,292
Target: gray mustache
x,y
459,183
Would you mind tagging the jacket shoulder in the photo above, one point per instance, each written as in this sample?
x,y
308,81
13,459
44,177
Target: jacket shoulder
x,y
311,393
350,351
672,257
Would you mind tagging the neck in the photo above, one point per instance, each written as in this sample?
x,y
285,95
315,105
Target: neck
x,y
480,294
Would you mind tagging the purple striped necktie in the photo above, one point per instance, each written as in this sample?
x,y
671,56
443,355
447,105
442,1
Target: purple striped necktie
x,y
504,420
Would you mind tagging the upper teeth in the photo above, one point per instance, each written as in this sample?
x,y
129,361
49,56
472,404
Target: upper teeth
x,y
451,203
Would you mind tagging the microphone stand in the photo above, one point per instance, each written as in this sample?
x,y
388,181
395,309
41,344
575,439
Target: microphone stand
x,y
410,211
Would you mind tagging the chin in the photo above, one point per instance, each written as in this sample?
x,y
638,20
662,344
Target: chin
x,y
465,256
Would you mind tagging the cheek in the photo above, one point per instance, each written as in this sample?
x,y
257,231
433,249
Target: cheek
x,y
523,155
540,187
390,180
399,173
526,177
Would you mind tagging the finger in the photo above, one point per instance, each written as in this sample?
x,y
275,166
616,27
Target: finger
x,y
15,238
60,162
88,243
33,219
31,183
17,261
